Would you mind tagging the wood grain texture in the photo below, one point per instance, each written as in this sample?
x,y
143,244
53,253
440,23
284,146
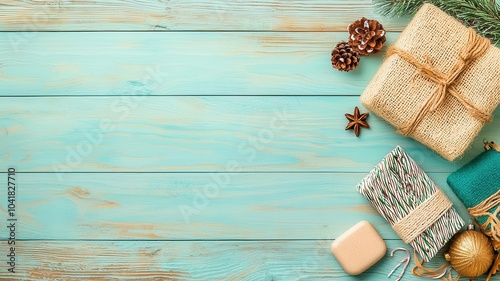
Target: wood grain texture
x,y
185,63
164,152
190,260
160,15
165,134
195,206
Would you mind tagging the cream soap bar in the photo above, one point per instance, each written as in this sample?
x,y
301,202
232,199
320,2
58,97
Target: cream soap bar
x,y
358,248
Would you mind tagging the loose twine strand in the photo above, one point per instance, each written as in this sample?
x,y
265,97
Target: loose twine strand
x,y
476,47
491,226
421,271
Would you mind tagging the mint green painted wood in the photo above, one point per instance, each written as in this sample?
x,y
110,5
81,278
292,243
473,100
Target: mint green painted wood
x,y
181,110
160,15
166,134
188,260
179,63
207,206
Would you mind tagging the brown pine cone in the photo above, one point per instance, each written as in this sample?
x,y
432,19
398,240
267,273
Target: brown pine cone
x,y
367,36
344,57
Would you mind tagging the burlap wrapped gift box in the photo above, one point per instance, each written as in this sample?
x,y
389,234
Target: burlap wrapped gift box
x,y
439,84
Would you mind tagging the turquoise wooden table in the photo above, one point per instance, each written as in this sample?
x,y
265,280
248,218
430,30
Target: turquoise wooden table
x,y
188,140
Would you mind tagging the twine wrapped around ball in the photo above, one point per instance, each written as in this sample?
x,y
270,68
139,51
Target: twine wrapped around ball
x,y
471,253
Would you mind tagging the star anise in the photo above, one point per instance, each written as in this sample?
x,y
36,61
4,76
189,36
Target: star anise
x,y
356,121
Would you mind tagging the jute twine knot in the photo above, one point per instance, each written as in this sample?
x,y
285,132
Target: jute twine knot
x,y
476,47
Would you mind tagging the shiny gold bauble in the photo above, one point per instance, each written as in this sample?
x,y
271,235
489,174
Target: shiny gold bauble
x,y
471,253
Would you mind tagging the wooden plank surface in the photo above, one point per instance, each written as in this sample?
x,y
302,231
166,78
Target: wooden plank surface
x,y
189,140
203,206
180,63
189,260
158,134
166,15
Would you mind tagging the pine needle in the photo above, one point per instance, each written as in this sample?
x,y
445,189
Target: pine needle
x,y
397,8
482,15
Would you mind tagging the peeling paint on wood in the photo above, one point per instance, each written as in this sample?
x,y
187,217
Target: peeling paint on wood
x,y
169,15
158,153
189,260
178,206
161,134
179,63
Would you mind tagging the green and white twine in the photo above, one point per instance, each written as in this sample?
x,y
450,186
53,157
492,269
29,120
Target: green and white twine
x,y
396,187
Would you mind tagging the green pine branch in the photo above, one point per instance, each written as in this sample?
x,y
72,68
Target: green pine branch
x,y
482,15
397,8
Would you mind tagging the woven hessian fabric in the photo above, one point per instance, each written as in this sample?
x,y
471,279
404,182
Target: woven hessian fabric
x,y
398,91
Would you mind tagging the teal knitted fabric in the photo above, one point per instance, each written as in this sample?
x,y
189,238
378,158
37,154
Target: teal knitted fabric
x,y
477,180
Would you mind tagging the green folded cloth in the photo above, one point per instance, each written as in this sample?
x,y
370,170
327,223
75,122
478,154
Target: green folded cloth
x,y
477,185
477,180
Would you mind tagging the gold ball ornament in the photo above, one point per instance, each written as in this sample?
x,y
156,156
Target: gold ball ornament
x,y
471,253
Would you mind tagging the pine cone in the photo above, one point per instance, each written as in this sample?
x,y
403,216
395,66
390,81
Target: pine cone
x,y
367,36
344,57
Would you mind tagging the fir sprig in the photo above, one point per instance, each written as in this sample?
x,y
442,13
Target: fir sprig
x,y
482,15
397,8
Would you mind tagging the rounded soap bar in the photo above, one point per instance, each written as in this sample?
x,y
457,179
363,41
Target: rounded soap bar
x,y
358,248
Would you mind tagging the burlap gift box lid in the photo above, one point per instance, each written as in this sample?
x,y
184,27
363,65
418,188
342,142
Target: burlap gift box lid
x,y
399,91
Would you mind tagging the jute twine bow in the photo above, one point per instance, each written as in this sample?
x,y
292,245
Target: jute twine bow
x,y
476,47
492,225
